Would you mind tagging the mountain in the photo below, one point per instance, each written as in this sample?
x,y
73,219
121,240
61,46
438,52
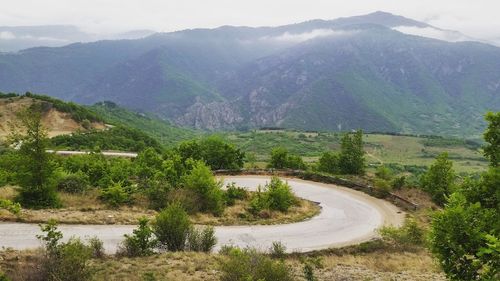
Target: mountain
x,y
16,38
358,72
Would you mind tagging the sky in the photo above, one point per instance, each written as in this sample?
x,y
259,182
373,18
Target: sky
x,y
476,18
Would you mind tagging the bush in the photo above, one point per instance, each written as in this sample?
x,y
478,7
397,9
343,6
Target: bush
x,y
258,202
281,159
279,195
398,182
64,261
158,194
116,195
277,250
439,181
202,241
384,173
329,163
234,193
410,234
384,186
248,264
97,247
172,227
74,183
201,180
141,243
188,199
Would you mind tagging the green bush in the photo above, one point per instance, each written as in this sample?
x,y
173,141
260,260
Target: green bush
x,y
398,182
384,173
234,193
116,195
439,181
281,159
259,202
329,163
97,247
157,193
410,234
141,243
279,195
201,180
248,264
172,227
188,199
63,261
277,250
74,183
202,240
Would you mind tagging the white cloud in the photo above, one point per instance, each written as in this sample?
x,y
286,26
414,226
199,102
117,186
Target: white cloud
x,y
7,35
430,32
300,37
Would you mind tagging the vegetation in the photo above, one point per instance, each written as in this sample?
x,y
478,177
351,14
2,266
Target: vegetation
x,y
439,180
172,227
281,159
492,137
141,243
465,235
350,160
117,138
276,195
216,153
34,167
248,264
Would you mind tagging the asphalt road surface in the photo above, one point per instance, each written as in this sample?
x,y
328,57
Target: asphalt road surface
x,y
347,217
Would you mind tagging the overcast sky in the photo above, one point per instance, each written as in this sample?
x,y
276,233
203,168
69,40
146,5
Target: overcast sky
x,y
476,18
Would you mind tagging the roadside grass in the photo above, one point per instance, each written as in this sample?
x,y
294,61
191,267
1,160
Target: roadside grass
x,y
381,264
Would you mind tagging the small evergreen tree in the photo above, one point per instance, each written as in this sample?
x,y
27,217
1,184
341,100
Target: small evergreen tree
x,y
351,159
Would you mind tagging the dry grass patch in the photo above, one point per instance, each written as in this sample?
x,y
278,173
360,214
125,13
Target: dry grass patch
x,y
87,208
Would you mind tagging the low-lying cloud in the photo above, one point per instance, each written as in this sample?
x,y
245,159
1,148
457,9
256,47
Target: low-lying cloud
x,y
313,34
7,35
434,33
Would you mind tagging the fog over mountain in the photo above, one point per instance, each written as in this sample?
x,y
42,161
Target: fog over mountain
x,y
15,38
378,72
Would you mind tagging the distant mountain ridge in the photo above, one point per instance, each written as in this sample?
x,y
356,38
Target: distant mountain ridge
x,y
343,74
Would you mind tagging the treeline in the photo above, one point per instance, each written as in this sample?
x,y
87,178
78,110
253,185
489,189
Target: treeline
x,y
116,138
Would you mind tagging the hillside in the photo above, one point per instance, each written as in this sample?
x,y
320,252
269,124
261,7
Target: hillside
x,y
57,121
343,74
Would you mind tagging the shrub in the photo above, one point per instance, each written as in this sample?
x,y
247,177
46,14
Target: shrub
x,y
157,193
410,234
97,247
281,159
234,193
201,180
384,173
141,243
64,261
439,181
172,227
10,206
329,163
202,241
74,183
277,250
188,199
258,202
383,185
115,195
248,264
279,195
398,182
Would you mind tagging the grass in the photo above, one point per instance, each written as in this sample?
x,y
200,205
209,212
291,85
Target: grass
x,y
88,209
190,266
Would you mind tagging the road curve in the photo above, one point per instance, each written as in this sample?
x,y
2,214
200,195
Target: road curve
x,y
347,217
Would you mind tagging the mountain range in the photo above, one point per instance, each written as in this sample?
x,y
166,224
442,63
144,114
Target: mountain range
x,y
372,72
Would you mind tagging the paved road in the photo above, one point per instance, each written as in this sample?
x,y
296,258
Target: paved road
x,y
347,217
105,153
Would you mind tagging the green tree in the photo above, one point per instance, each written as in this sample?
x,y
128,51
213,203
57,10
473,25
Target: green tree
x,y
172,227
352,159
35,168
439,180
492,137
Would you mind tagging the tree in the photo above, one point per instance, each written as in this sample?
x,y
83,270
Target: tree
x,y
492,137
172,227
35,168
351,159
439,180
